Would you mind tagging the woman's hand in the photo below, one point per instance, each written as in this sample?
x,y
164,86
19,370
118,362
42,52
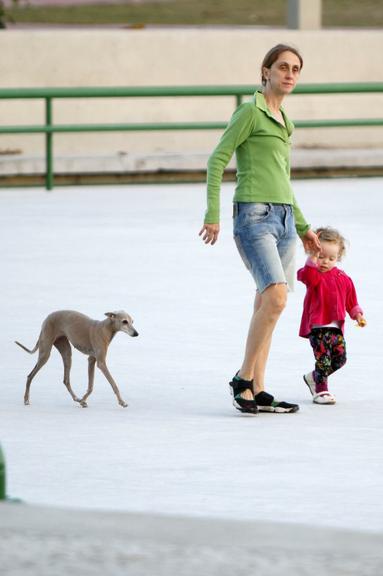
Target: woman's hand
x,y
311,243
209,233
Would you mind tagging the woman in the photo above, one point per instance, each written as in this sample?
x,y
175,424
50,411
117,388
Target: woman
x,y
266,215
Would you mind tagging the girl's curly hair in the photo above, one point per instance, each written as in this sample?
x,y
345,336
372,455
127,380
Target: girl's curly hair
x,y
328,234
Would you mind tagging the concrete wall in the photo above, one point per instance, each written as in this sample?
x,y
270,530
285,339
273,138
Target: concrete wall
x,y
36,58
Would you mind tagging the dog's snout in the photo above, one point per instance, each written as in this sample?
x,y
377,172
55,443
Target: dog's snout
x,y
134,333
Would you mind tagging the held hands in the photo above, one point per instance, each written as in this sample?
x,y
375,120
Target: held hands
x,y
311,243
209,233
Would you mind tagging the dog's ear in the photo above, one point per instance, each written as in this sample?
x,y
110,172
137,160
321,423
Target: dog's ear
x,y
111,315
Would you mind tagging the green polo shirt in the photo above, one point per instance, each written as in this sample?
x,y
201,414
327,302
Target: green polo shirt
x,y
262,148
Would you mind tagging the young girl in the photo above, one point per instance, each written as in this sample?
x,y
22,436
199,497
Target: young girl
x,y
330,293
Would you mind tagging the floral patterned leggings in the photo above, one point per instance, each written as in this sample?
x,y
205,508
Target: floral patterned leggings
x,y
329,349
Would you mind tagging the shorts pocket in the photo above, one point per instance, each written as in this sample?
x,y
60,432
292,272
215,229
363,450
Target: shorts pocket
x,y
253,213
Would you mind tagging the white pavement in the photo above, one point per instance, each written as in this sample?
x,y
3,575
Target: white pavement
x,y
180,448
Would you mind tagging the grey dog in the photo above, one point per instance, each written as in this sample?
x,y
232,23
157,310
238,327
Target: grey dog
x,y
91,337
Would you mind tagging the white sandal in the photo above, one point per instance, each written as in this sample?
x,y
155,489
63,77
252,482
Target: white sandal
x,y
324,397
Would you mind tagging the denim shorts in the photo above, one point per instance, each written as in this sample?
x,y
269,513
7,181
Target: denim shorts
x,y
266,240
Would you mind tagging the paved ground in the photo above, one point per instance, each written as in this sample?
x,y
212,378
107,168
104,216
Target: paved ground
x,y
180,449
37,541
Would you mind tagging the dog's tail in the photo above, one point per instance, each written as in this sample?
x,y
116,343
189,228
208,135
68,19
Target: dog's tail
x,y
27,349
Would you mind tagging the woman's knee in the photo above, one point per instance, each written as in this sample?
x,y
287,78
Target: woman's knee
x,y
275,298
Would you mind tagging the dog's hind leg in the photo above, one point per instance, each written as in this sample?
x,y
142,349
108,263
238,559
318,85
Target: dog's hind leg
x,y
63,346
91,367
43,359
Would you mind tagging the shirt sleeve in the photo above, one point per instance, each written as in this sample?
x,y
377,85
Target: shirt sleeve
x,y
352,305
301,225
309,274
237,131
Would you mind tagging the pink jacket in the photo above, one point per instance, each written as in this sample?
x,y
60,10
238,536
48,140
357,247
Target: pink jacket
x,y
329,295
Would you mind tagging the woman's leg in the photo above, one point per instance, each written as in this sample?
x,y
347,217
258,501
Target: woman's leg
x,y
267,310
266,239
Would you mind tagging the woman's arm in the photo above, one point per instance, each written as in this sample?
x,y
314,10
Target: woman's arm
x,y
309,238
238,130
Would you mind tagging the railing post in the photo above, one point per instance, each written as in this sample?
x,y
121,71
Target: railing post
x,y
2,476
304,14
48,145
238,99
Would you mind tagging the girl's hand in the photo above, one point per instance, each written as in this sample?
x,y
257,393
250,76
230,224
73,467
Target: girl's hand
x,y
209,233
362,322
311,243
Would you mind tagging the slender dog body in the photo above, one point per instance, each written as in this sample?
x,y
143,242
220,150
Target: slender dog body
x,y
91,337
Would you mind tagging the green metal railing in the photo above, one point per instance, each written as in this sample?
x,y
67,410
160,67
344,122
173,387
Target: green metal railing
x,y
51,94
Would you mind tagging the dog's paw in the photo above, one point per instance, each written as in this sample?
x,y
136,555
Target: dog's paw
x,y
83,404
123,404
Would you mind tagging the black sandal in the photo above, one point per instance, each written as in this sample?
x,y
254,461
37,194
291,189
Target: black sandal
x,y
267,403
239,385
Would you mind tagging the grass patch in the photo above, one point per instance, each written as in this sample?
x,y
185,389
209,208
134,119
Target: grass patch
x,y
336,13
172,12
352,13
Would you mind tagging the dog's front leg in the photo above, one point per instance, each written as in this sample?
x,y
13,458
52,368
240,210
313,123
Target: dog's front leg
x,y
101,364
